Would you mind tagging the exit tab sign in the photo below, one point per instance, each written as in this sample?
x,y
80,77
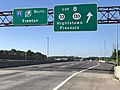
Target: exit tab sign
x,y
30,16
82,17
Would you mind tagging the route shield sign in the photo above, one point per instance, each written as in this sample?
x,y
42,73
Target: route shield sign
x,y
81,17
31,16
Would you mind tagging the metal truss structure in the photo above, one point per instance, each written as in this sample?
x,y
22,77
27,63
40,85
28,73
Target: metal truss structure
x,y
109,15
106,15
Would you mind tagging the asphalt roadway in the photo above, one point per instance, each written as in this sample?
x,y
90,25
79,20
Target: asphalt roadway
x,y
57,76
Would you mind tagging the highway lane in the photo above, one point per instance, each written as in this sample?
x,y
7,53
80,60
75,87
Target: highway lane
x,y
63,66
45,76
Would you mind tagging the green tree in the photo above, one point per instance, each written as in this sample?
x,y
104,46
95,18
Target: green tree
x,y
20,55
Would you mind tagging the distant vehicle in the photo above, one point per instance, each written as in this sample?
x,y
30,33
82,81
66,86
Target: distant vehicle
x,y
102,61
61,59
90,60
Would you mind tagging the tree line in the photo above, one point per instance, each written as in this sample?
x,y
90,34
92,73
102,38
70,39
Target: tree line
x,y
21,55
113,56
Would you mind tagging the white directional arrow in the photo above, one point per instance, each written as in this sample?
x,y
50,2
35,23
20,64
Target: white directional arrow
x,y
89,15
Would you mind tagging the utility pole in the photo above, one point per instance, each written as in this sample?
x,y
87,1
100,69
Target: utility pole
x,y
117,45
101,53
47,47
25,55
65,51
105,48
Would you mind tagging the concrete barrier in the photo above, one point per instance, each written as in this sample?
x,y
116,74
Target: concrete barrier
x,y
117,72
16,63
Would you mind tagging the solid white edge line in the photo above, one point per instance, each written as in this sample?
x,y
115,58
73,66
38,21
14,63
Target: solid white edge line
x,y
66,80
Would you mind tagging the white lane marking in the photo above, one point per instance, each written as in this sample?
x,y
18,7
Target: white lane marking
x,y
66,80
72,64
63,66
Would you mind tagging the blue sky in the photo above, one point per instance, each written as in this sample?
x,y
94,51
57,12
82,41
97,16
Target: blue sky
x,y
76,43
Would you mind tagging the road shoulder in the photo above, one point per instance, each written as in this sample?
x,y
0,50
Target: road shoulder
x,y
92,81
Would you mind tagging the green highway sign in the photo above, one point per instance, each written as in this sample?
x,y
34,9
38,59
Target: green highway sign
x,y
31,16
82,17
